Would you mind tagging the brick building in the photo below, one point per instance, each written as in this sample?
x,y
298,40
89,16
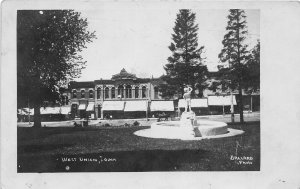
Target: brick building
x,y
127,96
124,92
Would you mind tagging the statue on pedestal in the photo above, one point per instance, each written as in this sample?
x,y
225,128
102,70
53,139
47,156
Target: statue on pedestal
x,y
187,97
188,117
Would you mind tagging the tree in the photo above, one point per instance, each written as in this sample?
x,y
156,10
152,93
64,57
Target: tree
x,y
185,66
252,83
48,42
235,53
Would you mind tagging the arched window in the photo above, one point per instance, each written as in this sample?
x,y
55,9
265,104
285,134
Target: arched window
x,y
144,92
128,91
136,91
98,93
155,92
91,94
121,91
82,94
113,92
74,94
106,92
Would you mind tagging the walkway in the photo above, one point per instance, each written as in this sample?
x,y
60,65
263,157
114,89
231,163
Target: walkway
x,y
255,116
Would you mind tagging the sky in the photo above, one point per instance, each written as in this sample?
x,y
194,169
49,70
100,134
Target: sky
x,y
137,39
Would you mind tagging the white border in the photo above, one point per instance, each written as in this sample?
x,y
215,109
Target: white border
x,y
280,121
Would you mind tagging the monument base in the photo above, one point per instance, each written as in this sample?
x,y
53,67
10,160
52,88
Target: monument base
x,y
187,122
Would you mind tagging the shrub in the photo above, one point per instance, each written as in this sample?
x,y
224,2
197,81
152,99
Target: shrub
x,y
126,125
76,125
107,125
136,123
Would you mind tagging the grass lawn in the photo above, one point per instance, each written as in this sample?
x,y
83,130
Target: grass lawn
x,y
95,149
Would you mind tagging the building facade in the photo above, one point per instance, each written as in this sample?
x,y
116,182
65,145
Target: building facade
x,y
92,96
127,96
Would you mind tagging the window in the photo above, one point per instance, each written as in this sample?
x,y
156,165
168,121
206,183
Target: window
x,y
66,100
98,93
82,93
137,90
155,92
144,92
106,91
121,91
113,92
128,91
91,94
74,94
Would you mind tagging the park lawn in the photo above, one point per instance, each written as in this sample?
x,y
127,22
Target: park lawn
x,y
54,149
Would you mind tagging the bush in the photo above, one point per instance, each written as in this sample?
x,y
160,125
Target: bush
x,y
107,125
136,123
76,125
126,125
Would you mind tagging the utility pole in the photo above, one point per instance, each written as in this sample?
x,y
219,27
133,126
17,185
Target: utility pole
x,y
28,112
223,99
251,105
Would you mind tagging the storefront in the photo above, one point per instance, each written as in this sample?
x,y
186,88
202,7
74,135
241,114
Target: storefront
x,y
221,104
136,109
112,110
159,108
199,106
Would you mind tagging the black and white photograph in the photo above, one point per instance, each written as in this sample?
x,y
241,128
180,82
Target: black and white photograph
x,y
139,87
122,91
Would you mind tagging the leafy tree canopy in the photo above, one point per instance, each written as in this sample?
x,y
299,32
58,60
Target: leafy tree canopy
x,y
48,42
48,46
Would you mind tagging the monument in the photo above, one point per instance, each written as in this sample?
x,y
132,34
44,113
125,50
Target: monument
x,y
188,127
188,117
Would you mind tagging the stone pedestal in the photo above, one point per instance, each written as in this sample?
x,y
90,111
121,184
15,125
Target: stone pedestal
x,y
187,122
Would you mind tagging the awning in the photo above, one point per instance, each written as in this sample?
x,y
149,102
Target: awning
x,y
132,106
90,106
65,110
50,110
162,106
221,100
26,111
81,107
113,106
195,103
47,110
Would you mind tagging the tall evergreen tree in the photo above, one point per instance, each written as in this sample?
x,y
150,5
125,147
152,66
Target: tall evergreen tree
x,y
185,66
48,43
235,53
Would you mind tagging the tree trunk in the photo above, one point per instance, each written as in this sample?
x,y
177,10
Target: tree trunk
x,y
37,103
241,104
37,115
239,73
